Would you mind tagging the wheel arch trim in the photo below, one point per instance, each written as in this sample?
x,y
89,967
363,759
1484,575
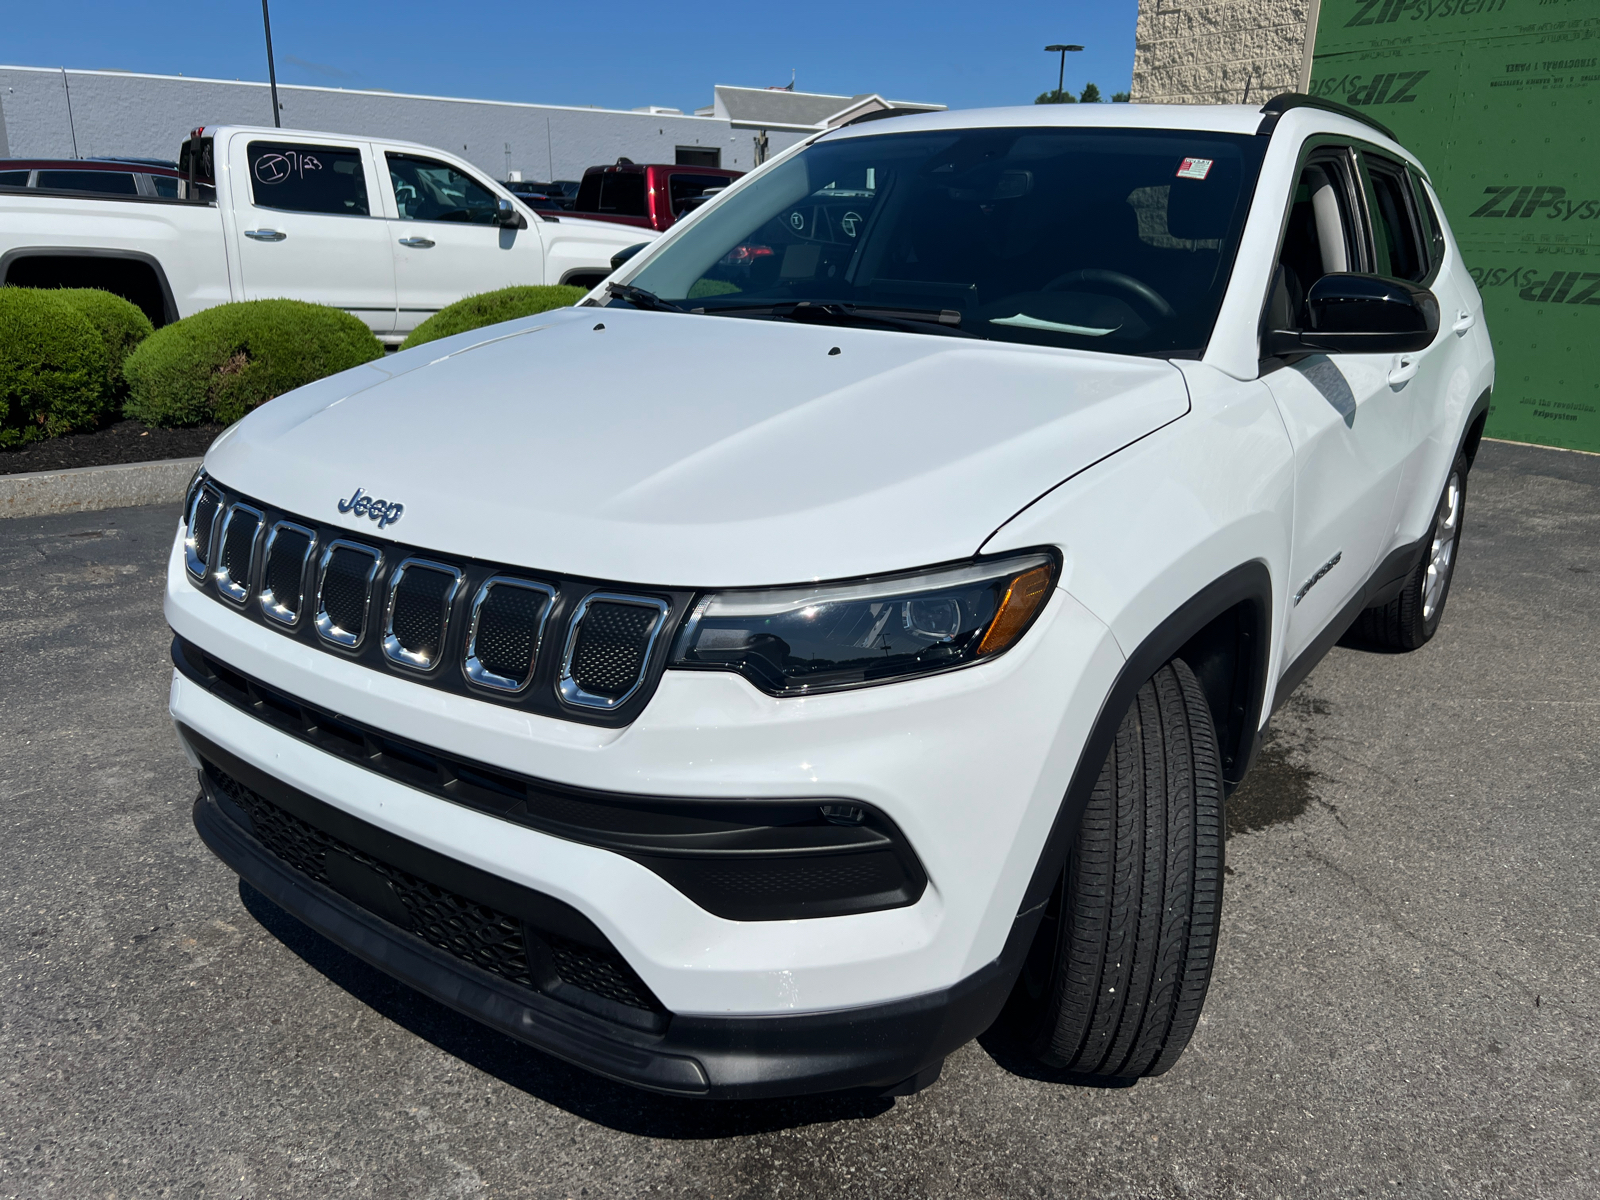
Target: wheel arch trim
x,y
169,305
1246,588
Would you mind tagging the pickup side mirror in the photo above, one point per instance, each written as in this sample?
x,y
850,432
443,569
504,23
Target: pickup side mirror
x,y
507,217
627,252
1358,314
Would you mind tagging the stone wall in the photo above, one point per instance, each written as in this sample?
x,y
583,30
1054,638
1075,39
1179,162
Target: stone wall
x,y
1218,51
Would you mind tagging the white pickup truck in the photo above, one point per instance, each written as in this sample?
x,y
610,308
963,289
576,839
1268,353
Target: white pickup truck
x,y
389,231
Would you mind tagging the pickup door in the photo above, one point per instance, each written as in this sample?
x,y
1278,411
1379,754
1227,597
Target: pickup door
x,y
443,236
309,225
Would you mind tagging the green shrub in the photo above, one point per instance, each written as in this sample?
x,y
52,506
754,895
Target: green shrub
x,y
122,326
52,366
491,308
220,363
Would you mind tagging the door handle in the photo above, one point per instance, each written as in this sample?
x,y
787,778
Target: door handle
x,y
1464,322
265,235
1405,367
418,243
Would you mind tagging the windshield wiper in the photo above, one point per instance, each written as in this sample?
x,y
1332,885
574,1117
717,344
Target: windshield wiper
x,y
913,320
640,298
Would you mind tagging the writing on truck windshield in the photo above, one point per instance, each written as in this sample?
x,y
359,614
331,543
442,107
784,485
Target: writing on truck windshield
x,y
1117,240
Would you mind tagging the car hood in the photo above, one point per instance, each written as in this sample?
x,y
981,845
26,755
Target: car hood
x,y
696,451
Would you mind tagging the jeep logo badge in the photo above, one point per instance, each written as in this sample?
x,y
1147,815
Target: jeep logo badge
x,y
381,511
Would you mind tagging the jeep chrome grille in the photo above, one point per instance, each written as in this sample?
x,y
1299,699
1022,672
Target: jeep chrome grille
x,y
202,521
283,579
344,591
236,551
607,647
468,627
508,617
417,616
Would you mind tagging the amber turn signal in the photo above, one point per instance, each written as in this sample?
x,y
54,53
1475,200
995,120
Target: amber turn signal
x,y
1023,599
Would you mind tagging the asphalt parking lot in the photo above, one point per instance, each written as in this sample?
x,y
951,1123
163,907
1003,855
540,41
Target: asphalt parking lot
x,y
1407,999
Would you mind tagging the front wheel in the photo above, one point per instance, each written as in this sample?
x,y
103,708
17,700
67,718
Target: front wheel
x,y
1117,975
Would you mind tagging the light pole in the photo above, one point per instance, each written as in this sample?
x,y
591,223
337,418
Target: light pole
x,y
1061,78
272,74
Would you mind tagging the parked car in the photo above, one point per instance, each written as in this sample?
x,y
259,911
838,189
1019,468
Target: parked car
x,y
92,176
555,197
389,231
647,195
778,727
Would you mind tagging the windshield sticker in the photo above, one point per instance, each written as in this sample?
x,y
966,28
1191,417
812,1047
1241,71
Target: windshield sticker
x,y
1024,321
1194,168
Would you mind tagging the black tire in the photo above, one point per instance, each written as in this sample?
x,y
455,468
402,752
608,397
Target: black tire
x,y
1412,617
1118,972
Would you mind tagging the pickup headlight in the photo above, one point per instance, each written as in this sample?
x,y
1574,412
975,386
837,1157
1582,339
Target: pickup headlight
x,y
795,641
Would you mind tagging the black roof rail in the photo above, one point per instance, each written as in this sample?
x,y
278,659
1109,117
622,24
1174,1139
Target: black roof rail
x,y
1280,104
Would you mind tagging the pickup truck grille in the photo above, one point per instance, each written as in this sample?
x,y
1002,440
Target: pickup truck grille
x,y
461,625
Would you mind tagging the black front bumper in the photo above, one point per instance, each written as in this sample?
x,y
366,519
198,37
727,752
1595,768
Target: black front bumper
x,y
891,1048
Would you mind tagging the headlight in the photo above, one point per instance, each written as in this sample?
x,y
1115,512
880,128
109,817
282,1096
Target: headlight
x,y
825,636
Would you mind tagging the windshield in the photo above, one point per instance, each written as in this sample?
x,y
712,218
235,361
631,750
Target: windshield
x,y
1106,239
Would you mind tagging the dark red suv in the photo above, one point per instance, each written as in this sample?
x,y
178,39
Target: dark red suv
x,y
649,195
99,176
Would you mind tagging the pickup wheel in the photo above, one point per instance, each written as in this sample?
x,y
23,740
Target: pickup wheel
x,y
1117,975
1412,617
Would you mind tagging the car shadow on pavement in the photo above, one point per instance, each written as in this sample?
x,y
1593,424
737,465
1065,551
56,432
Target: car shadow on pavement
x,y
612,1105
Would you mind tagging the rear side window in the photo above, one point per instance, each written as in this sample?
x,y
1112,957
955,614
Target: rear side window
x,y
13,178
308,179
425,190
165,185
1432,226
110,183
1396,238
622,194
682,188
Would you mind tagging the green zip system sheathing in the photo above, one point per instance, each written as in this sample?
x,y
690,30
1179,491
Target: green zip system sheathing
x,y
1501,101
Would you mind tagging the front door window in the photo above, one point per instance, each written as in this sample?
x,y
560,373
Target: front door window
x,y
427,190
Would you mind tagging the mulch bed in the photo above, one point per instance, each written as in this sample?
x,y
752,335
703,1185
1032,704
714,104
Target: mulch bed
x,y
119,442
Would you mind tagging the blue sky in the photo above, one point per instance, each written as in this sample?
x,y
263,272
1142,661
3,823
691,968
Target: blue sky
x,y
618,54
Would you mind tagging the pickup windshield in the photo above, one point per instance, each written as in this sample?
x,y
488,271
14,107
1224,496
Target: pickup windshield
x,y
1106,239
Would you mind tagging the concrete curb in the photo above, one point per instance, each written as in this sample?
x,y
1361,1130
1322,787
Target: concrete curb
x,y
84,489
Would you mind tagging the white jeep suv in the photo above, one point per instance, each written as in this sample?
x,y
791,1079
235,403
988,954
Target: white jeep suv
x,y
842,630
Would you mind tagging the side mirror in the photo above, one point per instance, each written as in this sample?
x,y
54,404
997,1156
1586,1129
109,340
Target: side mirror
x,y
623,255
1359,314
507,217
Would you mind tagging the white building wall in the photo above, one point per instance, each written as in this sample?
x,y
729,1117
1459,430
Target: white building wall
x,y
119,113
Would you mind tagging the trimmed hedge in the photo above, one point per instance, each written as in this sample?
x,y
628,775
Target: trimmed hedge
x,y
122,326
220,363
53,366
490,308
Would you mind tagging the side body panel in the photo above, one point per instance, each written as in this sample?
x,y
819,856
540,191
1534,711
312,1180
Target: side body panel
x,y
1352,433
184,240
1155,524
575,243
1465,377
